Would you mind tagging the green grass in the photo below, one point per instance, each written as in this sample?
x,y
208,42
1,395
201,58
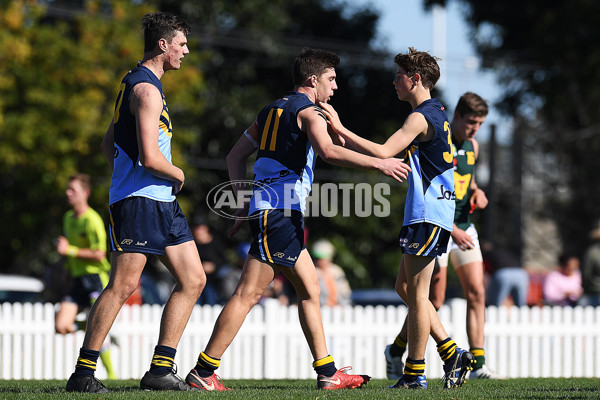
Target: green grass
x,y
525,388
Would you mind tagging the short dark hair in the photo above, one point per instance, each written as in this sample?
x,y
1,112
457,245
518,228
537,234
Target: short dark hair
x,y
162,25
471,103
84,180
422,63
313,62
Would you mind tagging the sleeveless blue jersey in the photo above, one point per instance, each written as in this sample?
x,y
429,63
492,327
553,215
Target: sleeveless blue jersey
x,y
430,196
283,171
129,178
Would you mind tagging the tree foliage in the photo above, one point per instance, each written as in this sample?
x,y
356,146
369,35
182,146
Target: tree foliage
x,y
61,70
59,76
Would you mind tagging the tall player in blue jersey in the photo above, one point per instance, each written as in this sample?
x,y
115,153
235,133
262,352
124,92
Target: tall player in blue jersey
x,y
428,212
145,217
289,134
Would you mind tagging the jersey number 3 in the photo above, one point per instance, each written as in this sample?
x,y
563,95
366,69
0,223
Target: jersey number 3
x,y
448,154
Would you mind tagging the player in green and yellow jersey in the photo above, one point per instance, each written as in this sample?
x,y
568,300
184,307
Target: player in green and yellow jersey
x,y
84,245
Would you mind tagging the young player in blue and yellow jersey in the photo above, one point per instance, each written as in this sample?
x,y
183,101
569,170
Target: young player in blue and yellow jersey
x,y
428,213
129,178
145,217
463,248
288,134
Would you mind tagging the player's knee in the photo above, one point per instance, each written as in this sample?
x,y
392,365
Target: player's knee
x,y
401,290
195,283
313,291
124,288
248,296
476,294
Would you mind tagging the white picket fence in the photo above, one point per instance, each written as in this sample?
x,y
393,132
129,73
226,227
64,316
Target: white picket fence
x,y
520,342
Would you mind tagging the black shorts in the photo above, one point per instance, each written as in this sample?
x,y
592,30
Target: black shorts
x,y
276,238
143,225
85,290
424,239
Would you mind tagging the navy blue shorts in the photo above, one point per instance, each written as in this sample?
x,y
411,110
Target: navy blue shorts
x,y
424,239
143,225
85,290
277,239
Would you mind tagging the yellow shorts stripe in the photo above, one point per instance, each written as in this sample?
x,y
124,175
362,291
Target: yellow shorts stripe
x,y
112,230
431,237
266,246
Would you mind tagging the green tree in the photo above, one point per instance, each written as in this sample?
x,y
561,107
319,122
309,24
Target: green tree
x,y
546,55
59,76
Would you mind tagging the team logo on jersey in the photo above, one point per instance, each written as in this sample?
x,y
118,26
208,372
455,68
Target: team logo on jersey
x,y
446,194
461,184
127,242
279,254
470,157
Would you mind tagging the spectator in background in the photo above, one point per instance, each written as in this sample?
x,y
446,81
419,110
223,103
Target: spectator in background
x,y
229,275
84,245
508,276
212,254
562,287
590,272
335,289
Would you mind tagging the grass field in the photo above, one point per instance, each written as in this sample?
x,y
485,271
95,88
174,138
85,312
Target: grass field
x,y
525,388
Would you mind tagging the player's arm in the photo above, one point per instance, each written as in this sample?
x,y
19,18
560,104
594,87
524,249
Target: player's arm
x,y
238,156
236,164
64,248
146,105
314,124
415,126
108,145
478,199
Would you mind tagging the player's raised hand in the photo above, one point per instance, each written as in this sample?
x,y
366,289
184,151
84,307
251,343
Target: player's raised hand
x,y
394,167
333,119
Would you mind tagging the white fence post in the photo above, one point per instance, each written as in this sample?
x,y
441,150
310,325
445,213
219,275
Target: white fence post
x,y
520,342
